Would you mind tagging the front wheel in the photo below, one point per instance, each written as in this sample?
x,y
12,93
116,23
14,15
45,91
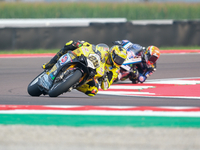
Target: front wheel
x,y
33,88
69,81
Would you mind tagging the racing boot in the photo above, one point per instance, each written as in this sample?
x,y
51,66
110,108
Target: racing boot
x,y
90,89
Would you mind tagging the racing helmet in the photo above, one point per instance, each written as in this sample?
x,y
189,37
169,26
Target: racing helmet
x,y
152,53
117,55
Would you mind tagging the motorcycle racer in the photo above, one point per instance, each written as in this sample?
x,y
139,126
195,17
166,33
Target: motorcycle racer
x,y
143,70
112,58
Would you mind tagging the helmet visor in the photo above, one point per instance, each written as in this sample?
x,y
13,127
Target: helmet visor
x,y
117,59
152,59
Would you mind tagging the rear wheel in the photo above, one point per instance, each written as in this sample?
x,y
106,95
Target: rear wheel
x,y
69,81
33,88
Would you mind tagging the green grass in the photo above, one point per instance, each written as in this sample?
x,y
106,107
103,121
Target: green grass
x,y
99,120
131,11
34,51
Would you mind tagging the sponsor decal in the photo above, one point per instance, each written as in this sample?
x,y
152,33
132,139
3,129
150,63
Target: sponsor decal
x,y
101,69
83,50
78,51
87,50
72,56
128,45
123,53
52,76
64,59
130,54
110,68
53,69
100,73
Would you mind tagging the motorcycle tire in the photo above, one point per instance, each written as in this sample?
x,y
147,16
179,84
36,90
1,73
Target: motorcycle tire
x,y
33,89
62,87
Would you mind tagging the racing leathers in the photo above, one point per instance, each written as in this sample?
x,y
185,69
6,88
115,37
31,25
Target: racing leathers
x,y
139,72
91,87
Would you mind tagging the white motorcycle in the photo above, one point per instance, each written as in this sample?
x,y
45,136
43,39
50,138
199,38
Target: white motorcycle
x,y
129,65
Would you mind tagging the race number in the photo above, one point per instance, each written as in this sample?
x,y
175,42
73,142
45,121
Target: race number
x,y
94,58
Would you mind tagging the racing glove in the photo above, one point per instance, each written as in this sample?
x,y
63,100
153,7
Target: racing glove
x,y
78,44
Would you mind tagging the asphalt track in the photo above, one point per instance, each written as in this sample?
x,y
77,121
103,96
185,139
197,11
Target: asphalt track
x,y
16,74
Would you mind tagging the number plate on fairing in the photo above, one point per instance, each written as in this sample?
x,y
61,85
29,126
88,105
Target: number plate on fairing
x,y
95,59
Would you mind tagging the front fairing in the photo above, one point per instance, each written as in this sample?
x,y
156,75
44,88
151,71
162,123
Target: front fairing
x,y
130,53
133,61
63,61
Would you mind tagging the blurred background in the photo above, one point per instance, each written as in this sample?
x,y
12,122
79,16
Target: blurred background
x,y
49,24
102,0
